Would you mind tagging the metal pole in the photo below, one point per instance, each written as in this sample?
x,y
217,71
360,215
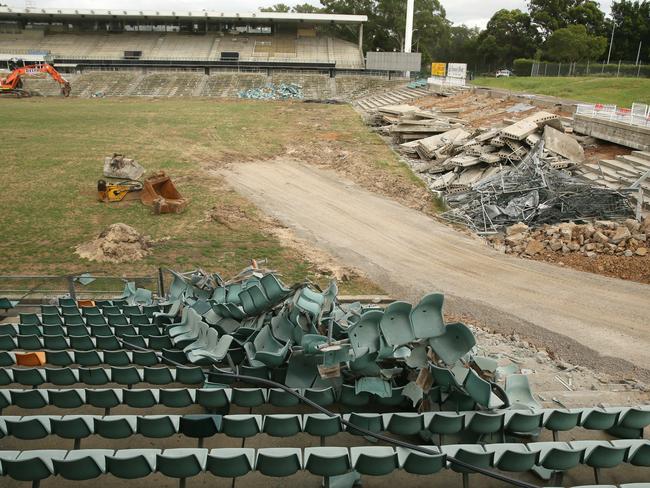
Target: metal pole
x,y
587,68
638,53
611,42
408,35
619,68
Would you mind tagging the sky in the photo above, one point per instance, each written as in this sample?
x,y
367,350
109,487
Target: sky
x,y
469,12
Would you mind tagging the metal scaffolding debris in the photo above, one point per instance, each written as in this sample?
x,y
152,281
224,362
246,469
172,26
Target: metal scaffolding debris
x,y
271,91
535,193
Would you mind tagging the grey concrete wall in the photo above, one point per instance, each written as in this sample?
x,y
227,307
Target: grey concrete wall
x,y
393,61
620,133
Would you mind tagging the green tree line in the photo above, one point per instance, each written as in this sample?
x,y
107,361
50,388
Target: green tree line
x,y
548,30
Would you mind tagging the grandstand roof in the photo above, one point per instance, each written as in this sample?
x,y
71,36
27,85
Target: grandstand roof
x,y
42,14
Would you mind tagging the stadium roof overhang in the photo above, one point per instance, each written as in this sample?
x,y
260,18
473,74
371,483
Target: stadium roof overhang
x,y
53,14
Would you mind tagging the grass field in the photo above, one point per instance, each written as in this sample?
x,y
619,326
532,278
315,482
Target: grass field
x,y
619,91
53,150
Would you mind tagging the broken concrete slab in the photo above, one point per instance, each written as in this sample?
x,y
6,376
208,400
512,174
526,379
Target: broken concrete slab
x,y
562,144
118,166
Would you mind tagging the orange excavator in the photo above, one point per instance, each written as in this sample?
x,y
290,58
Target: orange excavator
x,y
13,84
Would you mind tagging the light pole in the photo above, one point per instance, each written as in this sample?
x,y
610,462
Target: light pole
x,y
611,42
408,35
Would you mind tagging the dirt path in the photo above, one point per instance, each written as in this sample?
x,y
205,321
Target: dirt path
x,y
587,319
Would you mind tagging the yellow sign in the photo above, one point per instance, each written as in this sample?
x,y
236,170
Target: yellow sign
x,y
438,69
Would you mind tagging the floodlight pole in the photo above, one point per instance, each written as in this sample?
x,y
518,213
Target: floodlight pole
x,y
408,34
611,42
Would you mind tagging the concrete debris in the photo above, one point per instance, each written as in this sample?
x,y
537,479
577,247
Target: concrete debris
x,y
118,243
535,193
606,238
562,144
119,166
271,91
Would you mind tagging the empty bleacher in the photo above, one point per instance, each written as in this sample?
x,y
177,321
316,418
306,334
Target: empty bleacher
x,y
280,47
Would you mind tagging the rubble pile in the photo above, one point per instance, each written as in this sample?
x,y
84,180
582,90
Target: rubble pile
x,y
271,91
629,238
118,243
534,192
455,159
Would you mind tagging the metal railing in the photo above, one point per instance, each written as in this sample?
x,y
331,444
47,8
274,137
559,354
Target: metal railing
x,y
638,115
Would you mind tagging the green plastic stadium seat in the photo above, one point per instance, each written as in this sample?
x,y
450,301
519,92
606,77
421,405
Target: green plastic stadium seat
x,y
374,460
557,420
157,426
350,398
519,392
107,343
282,425
75,427
512,457
404,423
274,289
638,452
90,311
95,320
145,358
100,330
213,399
72,398
248,397
485,423
88,358
122,330
72,320
600,454
61,376
241,426
8,330
118,320
51,319
50,309
278,462
67,302
426,317
85,464
177,397
94,376
104,398
282,398
34,427
395,324
444,423
141,398
159,343
35,343
7,358
158,375
456,341
125,375
60,358
82,343
523,422
473,454
230,463
29,399
556,457
118,358
7,343
321,396
416,462
28,376
199,426
181,463
132,463
115,426
31,329
53,330
599,418
631,422
32,465
365,333
29,319
481,391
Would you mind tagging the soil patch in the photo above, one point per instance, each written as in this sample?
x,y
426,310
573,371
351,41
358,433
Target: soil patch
x,y
118,243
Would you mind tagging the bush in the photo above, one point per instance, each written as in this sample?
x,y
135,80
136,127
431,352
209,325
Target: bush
x,y
523,67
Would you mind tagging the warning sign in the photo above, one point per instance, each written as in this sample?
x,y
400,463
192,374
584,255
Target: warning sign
x,y
457,70
438,69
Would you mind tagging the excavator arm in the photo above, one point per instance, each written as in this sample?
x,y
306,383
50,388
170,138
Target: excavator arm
x,y
13,82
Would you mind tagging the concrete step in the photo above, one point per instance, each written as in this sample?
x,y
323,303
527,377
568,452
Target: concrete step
x,y
641,163
593,174
642,154
621,167
606,171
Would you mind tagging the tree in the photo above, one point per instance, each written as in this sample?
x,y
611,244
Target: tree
x,y
385,28
278,7
509,34
574,43
305,8
551,15
632,19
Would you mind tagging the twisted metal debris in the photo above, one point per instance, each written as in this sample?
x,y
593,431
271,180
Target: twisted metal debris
x,y
271,91
534,193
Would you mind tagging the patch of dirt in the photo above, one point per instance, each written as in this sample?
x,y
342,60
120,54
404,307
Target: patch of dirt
x,y
228,215
324,263
352,165
118,243
634,268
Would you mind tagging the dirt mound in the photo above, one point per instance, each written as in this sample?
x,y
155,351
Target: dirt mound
x,y
118,243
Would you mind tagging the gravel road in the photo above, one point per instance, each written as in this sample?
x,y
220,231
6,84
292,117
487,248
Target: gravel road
x,y
587,319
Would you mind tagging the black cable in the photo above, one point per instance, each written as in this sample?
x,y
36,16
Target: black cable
x,y
396,442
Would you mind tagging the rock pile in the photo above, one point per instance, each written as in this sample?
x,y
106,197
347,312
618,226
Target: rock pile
x,y
629,238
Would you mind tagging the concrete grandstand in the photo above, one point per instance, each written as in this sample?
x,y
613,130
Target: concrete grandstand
x,y
76,40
